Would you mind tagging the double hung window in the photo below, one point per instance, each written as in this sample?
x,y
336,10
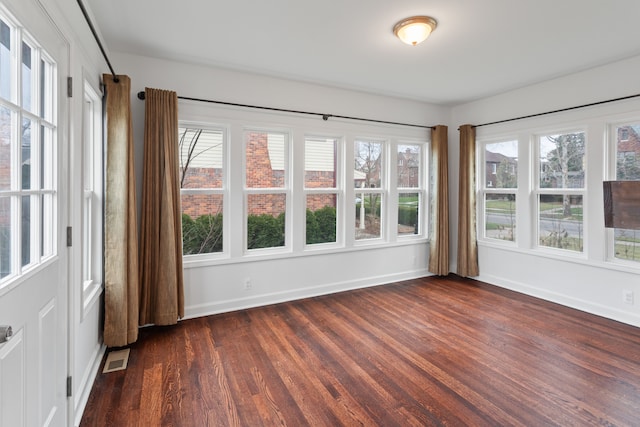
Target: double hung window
x,y
266,188
369,183
411,191
561,190
202,188
322,189
498,189
626,140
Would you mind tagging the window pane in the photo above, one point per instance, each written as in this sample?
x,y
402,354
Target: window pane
x,y
409,160
48,224
562,160
201,158
408,213
320,163
628,153
368,164
25,156
5,237
321,218
627,242
47,159
27,75
560,221
368,208
266,220
266,159
500,216
202,223
501,165
5,149
26,230
5,61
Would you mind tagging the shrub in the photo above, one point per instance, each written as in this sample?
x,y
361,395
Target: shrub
x,y
265,231
321,225
202,235
407,215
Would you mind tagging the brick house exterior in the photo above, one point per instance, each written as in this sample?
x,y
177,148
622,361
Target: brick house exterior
x,y
264,169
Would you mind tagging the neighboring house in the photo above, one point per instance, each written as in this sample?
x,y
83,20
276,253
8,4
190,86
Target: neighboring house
x,y
492,167
408,169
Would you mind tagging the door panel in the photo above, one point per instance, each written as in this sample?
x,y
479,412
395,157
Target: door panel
x,y
33,297
12,381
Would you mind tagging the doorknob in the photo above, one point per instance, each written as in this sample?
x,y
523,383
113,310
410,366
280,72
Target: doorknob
x,y
5,333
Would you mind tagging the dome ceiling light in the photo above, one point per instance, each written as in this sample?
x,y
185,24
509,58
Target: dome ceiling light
x,y
414,30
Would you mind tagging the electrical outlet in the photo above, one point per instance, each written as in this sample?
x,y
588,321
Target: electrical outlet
x,y
247,283
627,296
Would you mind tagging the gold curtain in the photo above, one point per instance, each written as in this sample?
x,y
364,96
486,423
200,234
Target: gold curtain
x,y
467,242
121,234
161,279
439,242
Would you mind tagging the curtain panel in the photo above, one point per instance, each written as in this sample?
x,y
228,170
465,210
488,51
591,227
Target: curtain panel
x,y
439,239
161,276
120,228
467,241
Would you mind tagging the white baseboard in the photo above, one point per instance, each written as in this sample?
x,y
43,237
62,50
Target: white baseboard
x,y
86,384
579,304
216,307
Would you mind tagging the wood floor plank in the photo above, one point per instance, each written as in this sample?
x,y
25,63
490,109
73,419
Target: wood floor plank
x,y
431,351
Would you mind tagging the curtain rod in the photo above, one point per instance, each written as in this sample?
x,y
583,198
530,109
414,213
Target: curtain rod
x,y
95,36
558,111
324,116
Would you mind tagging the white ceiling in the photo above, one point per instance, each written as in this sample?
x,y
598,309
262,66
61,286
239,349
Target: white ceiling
x,y
480,47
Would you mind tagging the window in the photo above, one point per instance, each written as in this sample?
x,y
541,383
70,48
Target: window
x,y
202,187
560,192
321,189
626,243
279,191
266,188
92,194
27,153
498,188
411,192
368,181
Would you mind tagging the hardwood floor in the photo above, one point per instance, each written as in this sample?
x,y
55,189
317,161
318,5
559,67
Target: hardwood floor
x,y
432,351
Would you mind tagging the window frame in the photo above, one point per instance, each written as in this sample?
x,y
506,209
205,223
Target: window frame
x,y
42,191
483,189
285,190
337,190
222,191
611,174
539,191
92,199
382,190
421,188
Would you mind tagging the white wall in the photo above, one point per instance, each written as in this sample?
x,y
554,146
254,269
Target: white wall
x,y
590,282
219,286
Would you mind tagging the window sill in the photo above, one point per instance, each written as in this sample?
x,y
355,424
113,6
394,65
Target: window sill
x,y
226,260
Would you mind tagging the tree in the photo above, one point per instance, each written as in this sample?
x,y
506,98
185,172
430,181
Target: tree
x,y
506,176
203,234
368,160
564,165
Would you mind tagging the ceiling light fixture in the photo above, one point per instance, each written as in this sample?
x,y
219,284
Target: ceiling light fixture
x,y
414,30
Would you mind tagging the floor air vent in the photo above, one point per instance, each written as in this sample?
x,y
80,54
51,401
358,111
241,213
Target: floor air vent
x,y
116,361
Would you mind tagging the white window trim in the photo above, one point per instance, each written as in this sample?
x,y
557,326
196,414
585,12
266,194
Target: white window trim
x,y
537,191
92,227
195,259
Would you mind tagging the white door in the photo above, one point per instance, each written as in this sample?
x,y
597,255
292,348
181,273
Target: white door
x,y
33,216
